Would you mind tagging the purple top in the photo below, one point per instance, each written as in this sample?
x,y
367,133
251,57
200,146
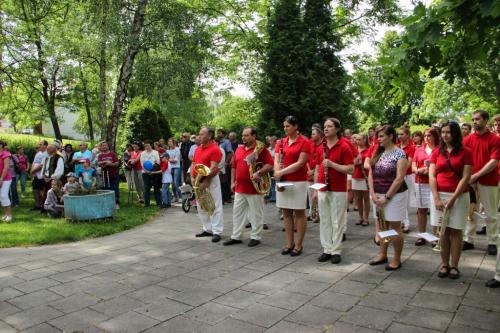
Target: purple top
x,y
385,170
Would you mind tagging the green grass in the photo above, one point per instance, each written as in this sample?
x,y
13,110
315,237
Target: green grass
x,y
33,228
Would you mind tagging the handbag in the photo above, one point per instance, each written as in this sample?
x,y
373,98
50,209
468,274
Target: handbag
x,y
472,192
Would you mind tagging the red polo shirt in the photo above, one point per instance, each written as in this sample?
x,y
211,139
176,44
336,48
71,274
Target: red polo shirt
x,y
358,173
243,182
205,155
419,158
409,150
291,155
339,153
446,179
484,148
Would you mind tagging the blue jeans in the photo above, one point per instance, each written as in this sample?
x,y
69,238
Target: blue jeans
x,y
176,178
113,185
14,196
23,176
165,194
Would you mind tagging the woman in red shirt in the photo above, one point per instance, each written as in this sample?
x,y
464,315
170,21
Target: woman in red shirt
x,y
449,175
359,180
420,167
135,162
290,166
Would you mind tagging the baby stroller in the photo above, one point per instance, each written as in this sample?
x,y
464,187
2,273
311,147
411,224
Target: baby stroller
x,y
188,197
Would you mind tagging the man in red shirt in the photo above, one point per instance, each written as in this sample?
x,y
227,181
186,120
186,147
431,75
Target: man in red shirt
x,y
409,148
466,129
210,155
248,204
485,147
110,171
334,162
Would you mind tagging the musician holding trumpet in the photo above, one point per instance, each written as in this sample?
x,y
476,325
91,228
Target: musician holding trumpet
x,y
250,181
208,155
334,161
449,174
389,192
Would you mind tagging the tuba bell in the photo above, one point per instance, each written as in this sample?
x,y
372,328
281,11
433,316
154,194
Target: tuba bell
x,y
264,184
203,198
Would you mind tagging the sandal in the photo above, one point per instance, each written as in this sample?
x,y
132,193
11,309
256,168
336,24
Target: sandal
x,y
365,223
287,250
452,275
378,262
444,271
295,252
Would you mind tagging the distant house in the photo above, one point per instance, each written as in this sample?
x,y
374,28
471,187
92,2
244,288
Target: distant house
x,y
67,119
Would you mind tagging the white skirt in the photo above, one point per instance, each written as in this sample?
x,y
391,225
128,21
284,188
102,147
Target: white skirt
x,y
410,182
423,195
458,214
395,209
293,197
359,185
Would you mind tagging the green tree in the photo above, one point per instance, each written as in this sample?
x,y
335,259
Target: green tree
x,y
236,113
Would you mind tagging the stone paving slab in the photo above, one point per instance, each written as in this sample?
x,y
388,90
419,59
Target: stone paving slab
x,y
159,278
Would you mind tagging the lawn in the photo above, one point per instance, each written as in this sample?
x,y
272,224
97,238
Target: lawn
x,y
33,228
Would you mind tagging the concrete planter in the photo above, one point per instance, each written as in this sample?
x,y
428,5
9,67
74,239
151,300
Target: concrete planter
x,y
89,207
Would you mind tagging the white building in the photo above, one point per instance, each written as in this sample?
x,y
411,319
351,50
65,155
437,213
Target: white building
x,y
67,120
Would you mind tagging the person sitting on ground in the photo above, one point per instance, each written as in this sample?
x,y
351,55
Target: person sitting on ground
x,y
53,203
87,176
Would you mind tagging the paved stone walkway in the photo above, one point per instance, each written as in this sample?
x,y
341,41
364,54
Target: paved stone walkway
x,y
160,278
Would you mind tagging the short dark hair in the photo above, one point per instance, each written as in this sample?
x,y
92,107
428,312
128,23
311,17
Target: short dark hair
x,y
485,115
148,142
221,130
253,130
292,120
44,142
467,125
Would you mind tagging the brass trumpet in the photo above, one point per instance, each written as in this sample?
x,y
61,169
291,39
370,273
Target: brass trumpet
x,y
382,223
264,185
203,198
444,220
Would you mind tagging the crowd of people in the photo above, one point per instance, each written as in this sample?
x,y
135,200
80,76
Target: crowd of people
x,y
449,173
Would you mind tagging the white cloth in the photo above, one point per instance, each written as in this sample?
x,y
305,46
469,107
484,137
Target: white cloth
x,y
214,223
395,209
192,150
422,195
293,197
488,197
38,161
174,155
222,163
359,185
248,208
4,193
58,172
497,271
411,198
166,176
332,218
152,156
458,214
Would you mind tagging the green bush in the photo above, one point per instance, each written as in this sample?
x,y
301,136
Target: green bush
x,y
29,142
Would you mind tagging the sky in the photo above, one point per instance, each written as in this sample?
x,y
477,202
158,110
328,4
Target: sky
x,y
365,45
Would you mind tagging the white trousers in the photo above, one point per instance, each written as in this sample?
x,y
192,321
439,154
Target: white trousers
x,y
411,198
4,193
333,215
248,208
488,197
214,223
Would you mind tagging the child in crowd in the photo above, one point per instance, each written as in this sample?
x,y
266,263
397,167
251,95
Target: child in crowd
x,y
53,203
166,180
72,186
87,176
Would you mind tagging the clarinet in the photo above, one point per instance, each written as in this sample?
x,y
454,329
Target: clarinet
x,y
282,155
325,169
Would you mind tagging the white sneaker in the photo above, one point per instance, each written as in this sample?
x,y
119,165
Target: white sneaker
x,y
7,218
117,206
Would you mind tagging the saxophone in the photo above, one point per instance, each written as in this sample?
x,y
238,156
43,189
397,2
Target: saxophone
x,y
264,184
203,198
282,157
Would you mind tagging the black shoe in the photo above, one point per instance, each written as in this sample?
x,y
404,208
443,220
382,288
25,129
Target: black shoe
x,y
253,242
230,241
481,231
467,246
215,238
265,227
204,234
420,242
309,218
493,283
378,262
295,253
287,250
390,268
336,258
444,272
344,238
248,225
324,257
492,249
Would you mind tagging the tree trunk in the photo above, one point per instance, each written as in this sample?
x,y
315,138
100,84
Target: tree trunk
x,y
87,104
102,92
126,73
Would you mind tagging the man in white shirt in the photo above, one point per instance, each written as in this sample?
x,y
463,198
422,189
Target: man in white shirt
x,y
52,168
36,172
